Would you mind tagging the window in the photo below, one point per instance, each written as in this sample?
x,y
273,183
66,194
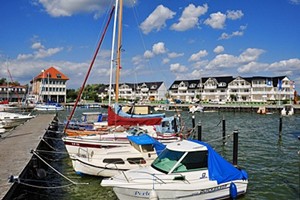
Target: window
x,y
137,161
195,160
58,75
114,161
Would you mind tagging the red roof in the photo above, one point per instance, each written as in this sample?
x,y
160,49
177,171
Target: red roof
x,y
54,74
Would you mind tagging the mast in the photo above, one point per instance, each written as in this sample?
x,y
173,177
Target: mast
x,y
112,51
119,49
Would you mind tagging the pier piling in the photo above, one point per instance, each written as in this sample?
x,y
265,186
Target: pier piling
x,y
280,126
199,131
235,147
223,129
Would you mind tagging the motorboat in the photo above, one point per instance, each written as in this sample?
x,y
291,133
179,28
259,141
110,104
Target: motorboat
x,y
141,152
287,110
49,107
188,169
10,120
198,108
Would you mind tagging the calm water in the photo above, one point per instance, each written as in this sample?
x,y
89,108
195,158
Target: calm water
x,y
273,164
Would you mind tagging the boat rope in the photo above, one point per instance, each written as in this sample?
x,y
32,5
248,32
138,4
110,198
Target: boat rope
x,y
51,138
54,152
44,187
50,146
221,138
73,182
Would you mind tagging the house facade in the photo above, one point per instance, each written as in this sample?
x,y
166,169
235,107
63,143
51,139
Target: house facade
x,y
49,85
12,93
153,91
228,88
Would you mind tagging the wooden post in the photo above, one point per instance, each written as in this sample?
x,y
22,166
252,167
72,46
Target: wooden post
x,y
223,129
280,126
199,131
235,147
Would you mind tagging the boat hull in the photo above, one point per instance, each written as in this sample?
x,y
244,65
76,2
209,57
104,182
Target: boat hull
x,y
177,191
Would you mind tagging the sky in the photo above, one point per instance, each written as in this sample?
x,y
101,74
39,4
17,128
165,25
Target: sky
x,y
162,40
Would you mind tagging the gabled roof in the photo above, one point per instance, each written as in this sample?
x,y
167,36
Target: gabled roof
x,y
54,74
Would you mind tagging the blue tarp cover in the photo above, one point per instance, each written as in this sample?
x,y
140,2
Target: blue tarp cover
x,y
220,169
146,139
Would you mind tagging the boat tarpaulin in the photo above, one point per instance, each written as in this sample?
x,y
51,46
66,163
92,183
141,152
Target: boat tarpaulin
x,y
145,139
220,169
114,119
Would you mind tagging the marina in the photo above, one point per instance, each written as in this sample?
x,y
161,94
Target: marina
x,y
272,160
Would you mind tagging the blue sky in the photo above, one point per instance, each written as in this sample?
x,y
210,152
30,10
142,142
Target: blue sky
x,y
163,40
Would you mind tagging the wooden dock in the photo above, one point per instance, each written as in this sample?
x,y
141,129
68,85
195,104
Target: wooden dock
x,y
15,148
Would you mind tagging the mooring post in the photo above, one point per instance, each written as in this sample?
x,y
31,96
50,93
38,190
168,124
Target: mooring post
x,y
223,129
199,131
280,126
193,121
175,124
235,146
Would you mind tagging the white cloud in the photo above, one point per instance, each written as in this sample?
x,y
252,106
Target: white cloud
x,y
190,17
286,65
233,15
177,68
216,20
175,55
197,56
165,60
240,32
40,52
159,48
66,8
250,55
37,45
296,2
219,49
157,19
252,68
148,54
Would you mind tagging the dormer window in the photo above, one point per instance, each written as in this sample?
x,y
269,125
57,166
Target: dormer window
x,y
58,75
153,87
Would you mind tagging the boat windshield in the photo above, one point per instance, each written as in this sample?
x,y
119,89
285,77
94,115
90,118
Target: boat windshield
x,y
167,160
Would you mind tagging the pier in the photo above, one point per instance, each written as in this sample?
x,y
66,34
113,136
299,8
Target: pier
x,y
16,146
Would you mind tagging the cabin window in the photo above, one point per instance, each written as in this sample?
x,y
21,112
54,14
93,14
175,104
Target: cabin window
x,y
147,148
166,160
114,161
136,161
195,160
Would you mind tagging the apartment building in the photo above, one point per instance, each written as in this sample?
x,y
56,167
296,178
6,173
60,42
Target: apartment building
x,y
153,91
228,88
49,85
12,93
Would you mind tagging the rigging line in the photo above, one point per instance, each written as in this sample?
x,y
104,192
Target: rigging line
x,y
73,182
53,152
90,68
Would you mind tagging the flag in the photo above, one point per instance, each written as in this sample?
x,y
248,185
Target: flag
x,y
279,85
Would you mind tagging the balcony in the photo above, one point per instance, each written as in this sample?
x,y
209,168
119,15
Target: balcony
x,y
182,88
144,89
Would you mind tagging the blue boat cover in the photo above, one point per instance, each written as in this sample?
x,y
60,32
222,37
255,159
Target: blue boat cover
x,y
220,169
120,112
145,139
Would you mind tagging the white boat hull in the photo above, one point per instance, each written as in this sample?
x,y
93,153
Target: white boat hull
x,y
193,191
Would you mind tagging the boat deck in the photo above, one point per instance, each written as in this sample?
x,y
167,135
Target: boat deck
x,y
15,147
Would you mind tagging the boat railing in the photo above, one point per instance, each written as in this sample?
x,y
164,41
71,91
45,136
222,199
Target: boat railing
x,y
154,177
85,153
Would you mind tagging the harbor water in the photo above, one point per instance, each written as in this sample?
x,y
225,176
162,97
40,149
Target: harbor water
x,y
272,162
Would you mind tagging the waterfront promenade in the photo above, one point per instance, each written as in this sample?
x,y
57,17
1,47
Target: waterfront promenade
x,y
15,148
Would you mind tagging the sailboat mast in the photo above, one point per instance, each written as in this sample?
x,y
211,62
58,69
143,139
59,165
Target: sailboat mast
x,y
112,51
119,49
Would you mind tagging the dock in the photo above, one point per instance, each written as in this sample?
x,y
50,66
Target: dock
x,y
16,146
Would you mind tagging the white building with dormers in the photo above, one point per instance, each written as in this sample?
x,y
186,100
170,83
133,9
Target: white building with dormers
x,y
153,91
227,88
